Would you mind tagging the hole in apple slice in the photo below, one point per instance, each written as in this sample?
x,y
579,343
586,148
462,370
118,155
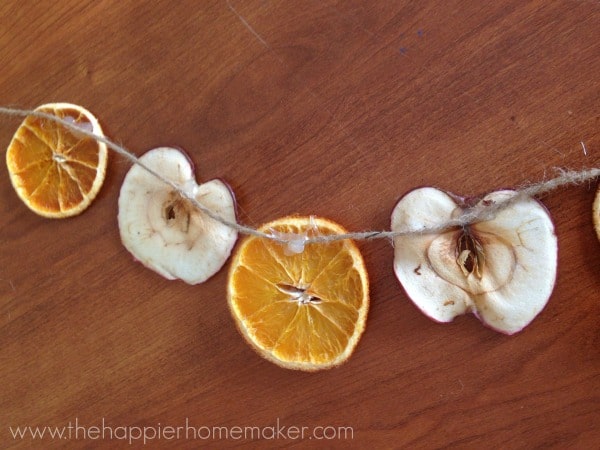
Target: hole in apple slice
x,y
470,256
475,262
177,212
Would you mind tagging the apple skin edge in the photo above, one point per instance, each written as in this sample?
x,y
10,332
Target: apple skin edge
x,y
231,192
489,297
596,212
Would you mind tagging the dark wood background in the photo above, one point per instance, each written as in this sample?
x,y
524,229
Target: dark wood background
x,y
333,108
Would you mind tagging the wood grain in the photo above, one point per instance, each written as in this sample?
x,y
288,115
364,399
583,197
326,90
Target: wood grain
x,y
333,108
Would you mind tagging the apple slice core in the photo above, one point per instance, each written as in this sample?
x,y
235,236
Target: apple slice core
x,y
495,271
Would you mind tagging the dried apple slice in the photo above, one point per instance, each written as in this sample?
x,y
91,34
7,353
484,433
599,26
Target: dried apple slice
x,y
503,270
596,212
163,230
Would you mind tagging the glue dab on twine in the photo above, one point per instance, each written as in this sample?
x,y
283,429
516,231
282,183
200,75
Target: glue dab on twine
x,y
295,242
85,126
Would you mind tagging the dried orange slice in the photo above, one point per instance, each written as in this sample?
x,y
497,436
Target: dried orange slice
x,y
56,172
302,310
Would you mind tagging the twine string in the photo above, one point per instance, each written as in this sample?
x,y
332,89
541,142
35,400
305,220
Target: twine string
x,y
468,217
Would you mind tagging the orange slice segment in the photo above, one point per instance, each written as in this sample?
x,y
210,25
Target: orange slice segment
x,y
54,171
302,311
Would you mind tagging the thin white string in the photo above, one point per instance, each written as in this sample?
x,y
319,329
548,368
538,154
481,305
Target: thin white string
x,y
469,216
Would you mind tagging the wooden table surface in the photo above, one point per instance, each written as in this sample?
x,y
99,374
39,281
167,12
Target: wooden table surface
x,y
331,108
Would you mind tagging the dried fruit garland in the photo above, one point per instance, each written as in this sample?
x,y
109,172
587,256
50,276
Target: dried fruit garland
x,y
298,287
